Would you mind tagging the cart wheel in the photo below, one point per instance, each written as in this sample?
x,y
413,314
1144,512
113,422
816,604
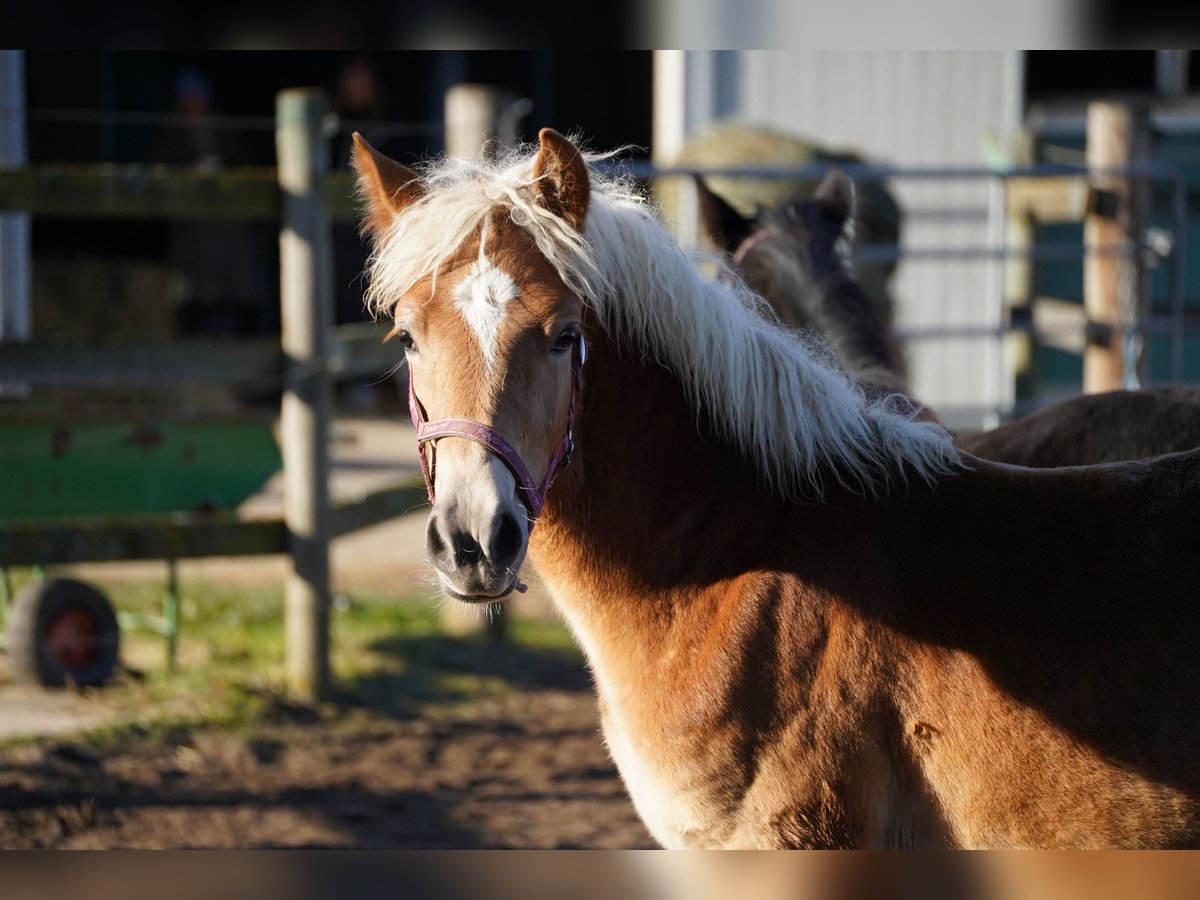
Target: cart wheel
x,y
60,631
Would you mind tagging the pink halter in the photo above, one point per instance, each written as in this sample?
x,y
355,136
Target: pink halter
x,y
534,495
748,242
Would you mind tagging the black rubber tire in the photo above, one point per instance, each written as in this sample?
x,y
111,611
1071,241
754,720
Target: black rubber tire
x,y
35,609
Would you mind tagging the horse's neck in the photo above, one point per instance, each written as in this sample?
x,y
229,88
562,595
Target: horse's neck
x,y
642,468
847,318
652,515
704,605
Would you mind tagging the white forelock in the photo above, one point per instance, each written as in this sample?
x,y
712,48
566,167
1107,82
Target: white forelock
x,y
482,297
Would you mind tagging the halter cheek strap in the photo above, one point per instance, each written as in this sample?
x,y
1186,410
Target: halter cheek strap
x,y
532,493
746,245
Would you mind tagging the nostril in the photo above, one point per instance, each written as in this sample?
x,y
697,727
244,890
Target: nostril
x,y
467,551
505,544
435,544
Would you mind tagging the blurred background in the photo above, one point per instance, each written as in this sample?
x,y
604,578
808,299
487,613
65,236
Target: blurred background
x,y
149,696
933,116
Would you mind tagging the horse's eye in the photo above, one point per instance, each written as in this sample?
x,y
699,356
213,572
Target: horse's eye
x,y
405,339
565,341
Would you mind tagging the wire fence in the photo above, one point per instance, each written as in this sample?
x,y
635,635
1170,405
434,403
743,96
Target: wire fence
x,y
1164,248
1152,248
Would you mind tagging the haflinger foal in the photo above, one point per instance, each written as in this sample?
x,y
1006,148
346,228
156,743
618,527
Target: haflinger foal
x,y
811,621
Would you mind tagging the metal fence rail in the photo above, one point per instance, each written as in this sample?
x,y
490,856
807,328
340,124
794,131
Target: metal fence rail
x,y
1067,191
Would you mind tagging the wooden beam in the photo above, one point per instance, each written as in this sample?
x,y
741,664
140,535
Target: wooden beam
x,y
1061,324
141,365
340,193
246,194
354,349
185,535
1047,200
141,192
379,506
102,539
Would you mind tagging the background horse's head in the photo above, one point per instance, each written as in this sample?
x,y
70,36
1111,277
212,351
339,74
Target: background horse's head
x,y
787,254
493,339
797,256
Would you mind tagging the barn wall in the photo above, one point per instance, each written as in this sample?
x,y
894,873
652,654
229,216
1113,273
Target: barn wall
x,y
905,108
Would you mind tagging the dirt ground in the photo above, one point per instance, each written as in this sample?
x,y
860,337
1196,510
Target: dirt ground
x,y
527,770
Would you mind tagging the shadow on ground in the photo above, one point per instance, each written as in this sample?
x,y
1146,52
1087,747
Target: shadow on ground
x,y
81,798
447,743
440,669
522,770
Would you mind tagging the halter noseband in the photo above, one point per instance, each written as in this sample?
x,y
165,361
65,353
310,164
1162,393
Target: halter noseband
x,y
533,494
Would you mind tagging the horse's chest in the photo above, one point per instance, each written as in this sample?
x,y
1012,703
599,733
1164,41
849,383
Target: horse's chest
x,y
677,794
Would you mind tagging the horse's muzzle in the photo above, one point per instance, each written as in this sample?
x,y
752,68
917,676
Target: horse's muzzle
x,y
471,568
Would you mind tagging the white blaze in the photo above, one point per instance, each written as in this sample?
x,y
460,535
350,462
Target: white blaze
x,y
481,298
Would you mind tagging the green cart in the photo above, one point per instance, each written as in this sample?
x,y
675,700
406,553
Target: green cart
x,y
134,487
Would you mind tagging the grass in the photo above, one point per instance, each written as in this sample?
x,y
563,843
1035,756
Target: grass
x,y
388,658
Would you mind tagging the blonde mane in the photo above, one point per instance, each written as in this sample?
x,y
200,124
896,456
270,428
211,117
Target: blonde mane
x,y
777,396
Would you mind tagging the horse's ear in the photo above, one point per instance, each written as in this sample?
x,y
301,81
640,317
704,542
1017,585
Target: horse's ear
x,y
727,227
562,184
836,193
386,186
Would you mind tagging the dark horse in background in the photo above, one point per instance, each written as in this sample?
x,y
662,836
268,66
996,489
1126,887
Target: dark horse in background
x,y
797,256
878,217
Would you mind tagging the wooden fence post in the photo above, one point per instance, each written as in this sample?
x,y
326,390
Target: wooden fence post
x,y
1018,300
475,125
1117,135
476,120
306,293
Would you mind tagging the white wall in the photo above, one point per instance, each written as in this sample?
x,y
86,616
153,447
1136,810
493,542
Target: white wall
x,y
909,108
